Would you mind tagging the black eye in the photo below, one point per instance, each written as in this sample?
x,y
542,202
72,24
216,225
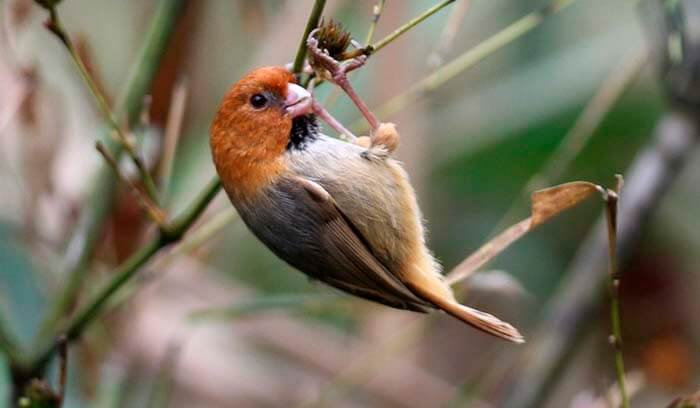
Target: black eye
x,y
258,101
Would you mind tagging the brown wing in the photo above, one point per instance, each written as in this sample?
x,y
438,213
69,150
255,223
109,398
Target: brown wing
x,y
357,270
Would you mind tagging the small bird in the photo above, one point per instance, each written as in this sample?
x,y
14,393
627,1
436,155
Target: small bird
x,y
343,213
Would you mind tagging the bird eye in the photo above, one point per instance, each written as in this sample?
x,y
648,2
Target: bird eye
x,y
258,101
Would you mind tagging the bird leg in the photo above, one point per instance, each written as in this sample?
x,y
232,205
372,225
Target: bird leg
x,y
338,73
383,136
325,116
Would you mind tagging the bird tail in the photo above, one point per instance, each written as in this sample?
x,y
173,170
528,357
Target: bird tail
x,y
479,320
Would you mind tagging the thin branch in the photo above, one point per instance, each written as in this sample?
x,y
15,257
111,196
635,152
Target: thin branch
x,y
173,129
94,307
101,198
376,13
448,33
180,224
55,25
154,212
611,199
410,24
468,59
311,24
574,305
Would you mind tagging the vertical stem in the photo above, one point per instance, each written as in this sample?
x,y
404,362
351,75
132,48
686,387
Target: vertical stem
x,y
101,198
312,23
376,13
611,198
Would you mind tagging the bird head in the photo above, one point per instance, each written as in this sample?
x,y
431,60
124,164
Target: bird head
x,y
252,128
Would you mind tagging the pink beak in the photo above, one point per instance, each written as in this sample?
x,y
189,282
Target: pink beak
x,y
298,102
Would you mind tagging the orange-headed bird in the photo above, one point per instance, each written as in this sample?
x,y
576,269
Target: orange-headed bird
x,y
342,213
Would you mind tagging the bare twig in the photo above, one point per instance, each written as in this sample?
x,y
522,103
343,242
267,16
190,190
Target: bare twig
x,y
311,24
410,24
173,129
55,25
376,13
571,309
448,33
154,212
611,199
468,59
100,199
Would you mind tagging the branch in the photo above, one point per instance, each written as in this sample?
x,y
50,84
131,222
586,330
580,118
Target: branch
x,y
468,59
100,200
611,200
154,212
311,24
376,13
573,307
95,305
56,27
410,24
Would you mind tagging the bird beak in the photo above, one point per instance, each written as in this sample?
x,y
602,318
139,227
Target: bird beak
x,y
298,102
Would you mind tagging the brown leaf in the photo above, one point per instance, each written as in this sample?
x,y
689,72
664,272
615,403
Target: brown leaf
x,y
549,202
546,204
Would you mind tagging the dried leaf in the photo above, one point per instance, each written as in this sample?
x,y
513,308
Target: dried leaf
x,y
549,202
546,204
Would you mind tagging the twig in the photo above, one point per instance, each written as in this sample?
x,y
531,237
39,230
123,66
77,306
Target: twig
x,y
56,27
123,274
468,59
611,199
410,24
311,24
154,212
173,129
448,33
376,13
100,199
573,307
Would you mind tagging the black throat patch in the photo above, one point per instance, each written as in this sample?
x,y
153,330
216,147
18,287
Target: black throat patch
x,y
304,130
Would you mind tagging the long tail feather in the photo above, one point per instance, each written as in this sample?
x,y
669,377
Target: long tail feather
x,y
479,320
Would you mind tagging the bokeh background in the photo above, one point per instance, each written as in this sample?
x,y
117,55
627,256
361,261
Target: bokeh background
x,y
223,322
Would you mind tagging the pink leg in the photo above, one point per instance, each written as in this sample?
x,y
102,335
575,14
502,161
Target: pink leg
x,y
339,72
322,113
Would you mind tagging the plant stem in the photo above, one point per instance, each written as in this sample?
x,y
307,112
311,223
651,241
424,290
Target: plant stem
x,y
93,307
101,197
410,24
469,58
611,198
376,13
55,26
312,23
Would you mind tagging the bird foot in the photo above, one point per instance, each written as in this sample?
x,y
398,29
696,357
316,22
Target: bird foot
x,y
337,72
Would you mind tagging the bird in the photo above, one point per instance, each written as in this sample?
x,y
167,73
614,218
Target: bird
x,y
343,213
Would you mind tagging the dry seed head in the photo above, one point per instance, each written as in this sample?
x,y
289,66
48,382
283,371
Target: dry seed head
x,y
333,38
